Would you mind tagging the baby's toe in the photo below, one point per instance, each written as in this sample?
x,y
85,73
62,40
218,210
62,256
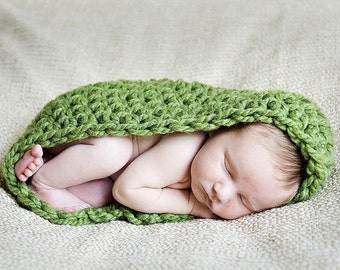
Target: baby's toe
x,y
32,166
22,177
38,161
28,173
37,151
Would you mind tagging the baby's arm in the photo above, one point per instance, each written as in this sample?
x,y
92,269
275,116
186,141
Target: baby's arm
x,y
144,185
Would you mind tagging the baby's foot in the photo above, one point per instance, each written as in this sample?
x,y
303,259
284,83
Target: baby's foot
x,y
60,199
30,163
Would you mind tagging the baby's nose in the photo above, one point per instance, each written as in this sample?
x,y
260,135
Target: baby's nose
x,y
223,192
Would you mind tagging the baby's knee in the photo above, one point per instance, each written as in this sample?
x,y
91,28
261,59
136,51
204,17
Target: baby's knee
x,y
115,151
123,144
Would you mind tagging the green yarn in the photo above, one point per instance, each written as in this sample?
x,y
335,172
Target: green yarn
x,y
161,107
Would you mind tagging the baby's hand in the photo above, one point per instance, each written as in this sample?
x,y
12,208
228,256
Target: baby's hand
x,y
201,210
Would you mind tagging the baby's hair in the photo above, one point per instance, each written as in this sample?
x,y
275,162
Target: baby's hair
x,y
288,157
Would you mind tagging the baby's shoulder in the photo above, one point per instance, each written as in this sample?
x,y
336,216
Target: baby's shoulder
x,y
143,143
183,142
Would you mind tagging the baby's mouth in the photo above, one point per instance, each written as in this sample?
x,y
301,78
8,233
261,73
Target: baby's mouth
x,y
208,201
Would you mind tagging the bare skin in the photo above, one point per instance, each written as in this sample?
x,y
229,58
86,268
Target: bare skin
x,y
74,177
95,193
30,163
229,175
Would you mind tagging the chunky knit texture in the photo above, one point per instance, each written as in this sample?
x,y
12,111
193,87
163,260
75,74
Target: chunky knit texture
x,y
162,107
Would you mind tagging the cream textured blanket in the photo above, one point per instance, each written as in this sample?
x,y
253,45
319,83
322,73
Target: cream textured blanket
x,y
50,47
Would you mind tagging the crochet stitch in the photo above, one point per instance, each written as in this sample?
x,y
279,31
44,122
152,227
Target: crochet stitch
x,y
125,108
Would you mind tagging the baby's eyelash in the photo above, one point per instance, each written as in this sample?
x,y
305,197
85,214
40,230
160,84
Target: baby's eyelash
x,y
226,166
227,169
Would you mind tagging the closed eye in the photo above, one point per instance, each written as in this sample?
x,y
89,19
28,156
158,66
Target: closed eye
x,y
227,168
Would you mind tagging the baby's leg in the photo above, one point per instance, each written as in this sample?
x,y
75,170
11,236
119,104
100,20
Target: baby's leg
x,y
93,158
34,158
96,193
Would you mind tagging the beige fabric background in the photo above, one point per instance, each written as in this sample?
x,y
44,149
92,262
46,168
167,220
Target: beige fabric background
x,y
49,47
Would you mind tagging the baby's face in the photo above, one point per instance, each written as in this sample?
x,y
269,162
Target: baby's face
x,y
234,175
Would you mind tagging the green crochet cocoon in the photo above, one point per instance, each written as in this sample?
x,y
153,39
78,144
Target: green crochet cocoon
x,y
161,107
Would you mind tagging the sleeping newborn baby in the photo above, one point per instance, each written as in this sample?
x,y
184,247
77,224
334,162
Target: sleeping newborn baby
x,y
227,173
164,146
